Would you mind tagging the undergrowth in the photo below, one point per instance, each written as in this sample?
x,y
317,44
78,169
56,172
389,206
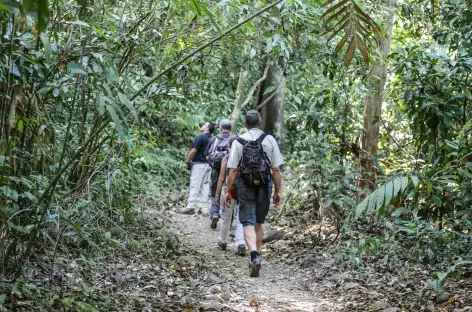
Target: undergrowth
x,y
102,280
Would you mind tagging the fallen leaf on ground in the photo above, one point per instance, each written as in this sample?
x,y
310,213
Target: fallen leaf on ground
x,y
254,303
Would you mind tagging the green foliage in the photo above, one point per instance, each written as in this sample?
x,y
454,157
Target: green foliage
x,y
439,279
379,201
357,25
428,244
100,106
364,247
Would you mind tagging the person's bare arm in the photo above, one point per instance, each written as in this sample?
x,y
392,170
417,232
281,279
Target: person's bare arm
x,y
191,154
277,176
277,179
233,173
221,181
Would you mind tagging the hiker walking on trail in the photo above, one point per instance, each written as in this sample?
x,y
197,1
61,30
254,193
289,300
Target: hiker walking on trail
x,y
254,163
200,171
226,213
218,149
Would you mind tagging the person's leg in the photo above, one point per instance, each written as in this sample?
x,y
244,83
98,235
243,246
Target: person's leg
x,y
247,216
259,234
262,209
239,230
214,214
214,208
226,214
250,237
205,189
194,189
239,240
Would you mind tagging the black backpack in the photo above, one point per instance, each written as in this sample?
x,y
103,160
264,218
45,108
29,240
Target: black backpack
x,y
254,166
219,150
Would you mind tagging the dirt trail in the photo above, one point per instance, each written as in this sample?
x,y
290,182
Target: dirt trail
x,y
280,287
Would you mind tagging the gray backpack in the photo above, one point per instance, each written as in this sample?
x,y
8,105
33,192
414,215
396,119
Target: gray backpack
x,y
219,150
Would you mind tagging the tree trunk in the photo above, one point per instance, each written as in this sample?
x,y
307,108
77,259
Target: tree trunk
x,y
271,104
238,100
373,104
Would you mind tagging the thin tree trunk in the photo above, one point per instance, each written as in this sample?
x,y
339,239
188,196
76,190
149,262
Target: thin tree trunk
x,y
373,104
238,101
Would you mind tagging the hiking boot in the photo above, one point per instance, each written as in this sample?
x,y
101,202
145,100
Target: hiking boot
x,y
214,222
254,267
241,250
188,211
221,245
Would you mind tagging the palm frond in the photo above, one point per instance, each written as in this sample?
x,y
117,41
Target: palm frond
x,y
347,17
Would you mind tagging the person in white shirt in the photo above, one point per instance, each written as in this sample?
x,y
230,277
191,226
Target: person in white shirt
x,y
254,201
226,213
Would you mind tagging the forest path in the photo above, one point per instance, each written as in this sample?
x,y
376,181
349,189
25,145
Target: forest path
x,y
280,287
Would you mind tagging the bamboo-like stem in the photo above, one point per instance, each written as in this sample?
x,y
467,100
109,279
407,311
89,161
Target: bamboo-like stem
x,y
3,119
69,124
49,189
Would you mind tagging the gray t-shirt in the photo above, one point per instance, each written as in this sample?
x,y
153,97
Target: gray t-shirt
x,y
269,144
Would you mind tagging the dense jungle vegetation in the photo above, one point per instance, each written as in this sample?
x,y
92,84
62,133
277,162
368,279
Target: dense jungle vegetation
x,y
100,101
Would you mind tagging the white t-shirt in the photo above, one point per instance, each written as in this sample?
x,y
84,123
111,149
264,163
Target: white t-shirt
x,y
269,145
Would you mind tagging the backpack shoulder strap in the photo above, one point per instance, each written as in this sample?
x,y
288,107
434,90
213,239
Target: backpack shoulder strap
x,y
241,140
262,137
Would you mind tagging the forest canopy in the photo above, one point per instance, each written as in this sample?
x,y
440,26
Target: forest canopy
x,y
369,100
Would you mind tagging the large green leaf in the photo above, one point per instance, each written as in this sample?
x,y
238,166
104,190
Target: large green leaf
x,y
124,100
362,207
405,181
38,9
389,195
372,201
76,68
380,200
46,46
3,7
116,120
358,27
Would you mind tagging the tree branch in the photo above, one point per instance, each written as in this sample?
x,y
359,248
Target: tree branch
x,y
256,84
62,169
201,48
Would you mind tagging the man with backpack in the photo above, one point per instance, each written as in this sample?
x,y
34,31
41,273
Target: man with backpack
x,y
226,213
196,161
218,149
254,163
